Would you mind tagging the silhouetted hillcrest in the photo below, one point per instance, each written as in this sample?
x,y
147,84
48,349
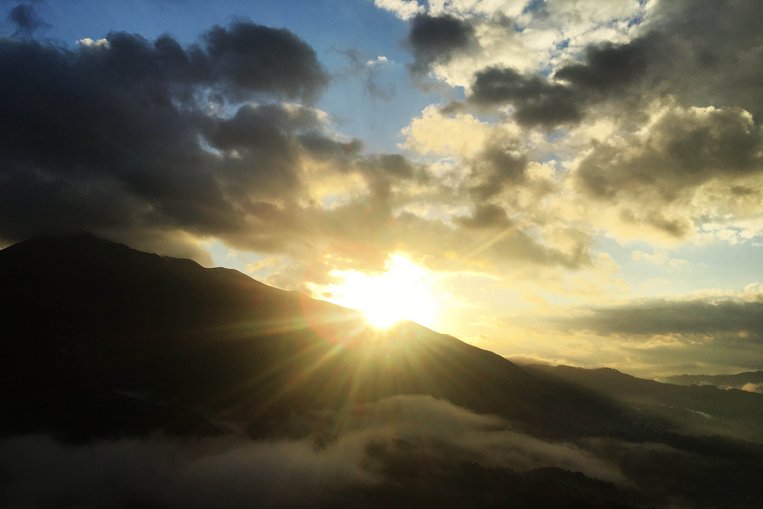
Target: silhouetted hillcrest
x,y
735,381
701,410
101,341
89,316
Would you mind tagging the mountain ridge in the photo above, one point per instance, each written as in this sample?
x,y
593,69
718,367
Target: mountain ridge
x,y
217,341
107,345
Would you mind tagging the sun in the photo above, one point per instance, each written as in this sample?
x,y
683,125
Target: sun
x,y
403,291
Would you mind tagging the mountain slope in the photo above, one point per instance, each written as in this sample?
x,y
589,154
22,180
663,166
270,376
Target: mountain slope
x,y
752,379
102,341
701,410
88,320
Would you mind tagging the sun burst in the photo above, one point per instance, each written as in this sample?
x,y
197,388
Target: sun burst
x,y
403,291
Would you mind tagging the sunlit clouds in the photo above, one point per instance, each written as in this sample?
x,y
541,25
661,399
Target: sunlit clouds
x,y
551,153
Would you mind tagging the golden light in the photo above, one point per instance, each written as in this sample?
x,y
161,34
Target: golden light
x,y
404,291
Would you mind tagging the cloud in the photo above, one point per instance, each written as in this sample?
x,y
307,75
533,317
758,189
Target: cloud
x,y
496,167
129,135
135,139
358,450
680,156
751,387
608,71
536,101
26,20
711,331
435,39
683,166
557,63
405,9
609,68
679,149
521,35
486,216
226,473
722,318
250,57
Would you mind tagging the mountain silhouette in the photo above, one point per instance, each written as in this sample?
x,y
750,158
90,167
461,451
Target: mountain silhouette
x,y
167,344
101,342
735,381
699,410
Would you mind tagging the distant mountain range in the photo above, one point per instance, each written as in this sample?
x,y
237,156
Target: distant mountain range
x,y
750,381
699,410
101,342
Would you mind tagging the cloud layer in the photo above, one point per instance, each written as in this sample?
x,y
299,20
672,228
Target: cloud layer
x,y
232,473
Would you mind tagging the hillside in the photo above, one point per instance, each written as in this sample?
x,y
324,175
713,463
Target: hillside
x,y
117,362
700,410
84,316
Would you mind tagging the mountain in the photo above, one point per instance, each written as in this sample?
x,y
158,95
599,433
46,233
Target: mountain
x,y
131,379
751,381
87,320
700,410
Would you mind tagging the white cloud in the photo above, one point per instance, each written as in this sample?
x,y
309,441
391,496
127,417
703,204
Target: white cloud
x,y
380,60
404,9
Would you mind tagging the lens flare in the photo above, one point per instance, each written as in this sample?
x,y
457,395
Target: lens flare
x,y
403,291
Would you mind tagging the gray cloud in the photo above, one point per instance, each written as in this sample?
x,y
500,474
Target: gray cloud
x,y
138,139
435,39
537,101
495,168
707,54
610,68
118,136
253,57
679,151
486,216
720,318
26,20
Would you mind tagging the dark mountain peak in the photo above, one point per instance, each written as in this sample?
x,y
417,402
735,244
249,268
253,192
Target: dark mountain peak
x,y
76,241
102,315
85,261
80,249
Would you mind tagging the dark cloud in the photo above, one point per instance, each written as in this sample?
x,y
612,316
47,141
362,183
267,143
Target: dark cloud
x,y
253,57
453,108
26,20
680,150
707,54
537,101
519,245
609,68
139,140
494,168
381,171
435,39
122,136
705,317
608,71
486,216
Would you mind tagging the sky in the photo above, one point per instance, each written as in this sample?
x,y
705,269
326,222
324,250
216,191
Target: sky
x,y
568,181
